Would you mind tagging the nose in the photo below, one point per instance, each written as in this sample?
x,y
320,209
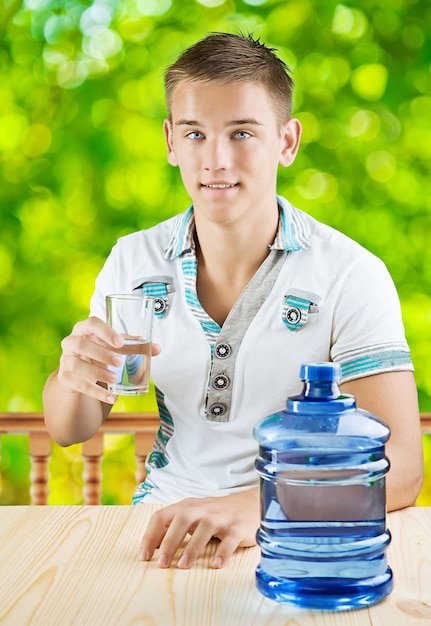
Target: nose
x,y
216,154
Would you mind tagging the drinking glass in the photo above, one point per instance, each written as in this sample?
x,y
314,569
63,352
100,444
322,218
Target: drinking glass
x,y
131,315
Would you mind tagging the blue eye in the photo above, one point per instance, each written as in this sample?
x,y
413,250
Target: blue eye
x,y
195,134
242,134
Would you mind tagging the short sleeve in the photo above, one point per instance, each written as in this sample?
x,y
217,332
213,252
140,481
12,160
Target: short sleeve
x,y
108,281
368,330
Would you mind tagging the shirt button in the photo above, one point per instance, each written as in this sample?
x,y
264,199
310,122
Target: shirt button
x,y
223,350
221,381
160,305
293,315
217,410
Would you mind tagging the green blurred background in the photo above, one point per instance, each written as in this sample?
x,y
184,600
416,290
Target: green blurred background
x,y
83,162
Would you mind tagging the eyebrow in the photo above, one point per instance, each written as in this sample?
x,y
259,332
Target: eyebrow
x,y
248,121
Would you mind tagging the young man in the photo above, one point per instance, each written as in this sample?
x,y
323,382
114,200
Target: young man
x,y
247,288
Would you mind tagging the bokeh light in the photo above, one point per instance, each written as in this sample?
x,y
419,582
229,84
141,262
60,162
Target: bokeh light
x,y
83,162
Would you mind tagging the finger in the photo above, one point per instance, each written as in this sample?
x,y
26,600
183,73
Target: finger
x,y
202,535
99,329
81,374
154,533
78,384
86,348
226,548
93,369
81,383
156,349
172,540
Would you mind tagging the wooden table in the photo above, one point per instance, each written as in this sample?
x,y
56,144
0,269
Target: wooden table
x,y
78,566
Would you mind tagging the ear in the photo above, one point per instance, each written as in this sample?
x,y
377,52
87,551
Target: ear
x,y
290,137
167,131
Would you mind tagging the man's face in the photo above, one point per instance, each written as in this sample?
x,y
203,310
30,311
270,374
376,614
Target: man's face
x,y
227,141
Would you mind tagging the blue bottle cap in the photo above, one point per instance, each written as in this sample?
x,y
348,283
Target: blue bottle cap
x,y
325,372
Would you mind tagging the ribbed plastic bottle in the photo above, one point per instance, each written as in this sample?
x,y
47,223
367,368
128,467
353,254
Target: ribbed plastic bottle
x,y
322,467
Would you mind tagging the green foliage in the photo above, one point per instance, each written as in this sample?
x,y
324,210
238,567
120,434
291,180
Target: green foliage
x,y
83,158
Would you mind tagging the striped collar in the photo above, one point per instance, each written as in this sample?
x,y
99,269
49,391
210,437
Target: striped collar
x,y
293,232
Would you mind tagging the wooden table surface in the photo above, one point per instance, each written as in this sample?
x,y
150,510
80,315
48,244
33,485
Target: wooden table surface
x,y
78,566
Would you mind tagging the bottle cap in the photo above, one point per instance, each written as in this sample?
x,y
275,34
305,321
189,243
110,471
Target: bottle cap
x,y
324,372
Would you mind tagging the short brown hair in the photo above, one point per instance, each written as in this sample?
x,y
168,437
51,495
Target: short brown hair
x,y
233,58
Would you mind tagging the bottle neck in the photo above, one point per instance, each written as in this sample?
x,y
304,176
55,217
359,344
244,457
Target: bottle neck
x,y
321,389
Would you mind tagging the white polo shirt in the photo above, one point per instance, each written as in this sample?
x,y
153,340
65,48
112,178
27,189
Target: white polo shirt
x,y
318,296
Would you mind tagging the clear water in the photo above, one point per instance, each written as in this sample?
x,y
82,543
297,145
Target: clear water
x,y
323,535
134,372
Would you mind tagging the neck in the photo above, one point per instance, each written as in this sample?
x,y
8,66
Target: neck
x,y
228,258
244,244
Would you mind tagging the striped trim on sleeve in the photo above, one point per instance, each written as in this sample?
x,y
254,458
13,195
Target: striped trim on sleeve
x,y
392,357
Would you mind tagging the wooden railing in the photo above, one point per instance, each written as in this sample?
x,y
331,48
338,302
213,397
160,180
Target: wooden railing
x,y
426,423
143,425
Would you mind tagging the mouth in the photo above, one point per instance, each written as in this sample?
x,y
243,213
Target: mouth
x,y
219,185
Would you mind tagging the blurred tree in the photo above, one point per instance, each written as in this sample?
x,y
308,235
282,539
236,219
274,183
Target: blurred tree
x,y
83,159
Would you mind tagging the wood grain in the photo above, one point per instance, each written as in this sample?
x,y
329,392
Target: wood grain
x,y
78,566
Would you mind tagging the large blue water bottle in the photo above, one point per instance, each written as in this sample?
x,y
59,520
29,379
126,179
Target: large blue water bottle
x,y
322,467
